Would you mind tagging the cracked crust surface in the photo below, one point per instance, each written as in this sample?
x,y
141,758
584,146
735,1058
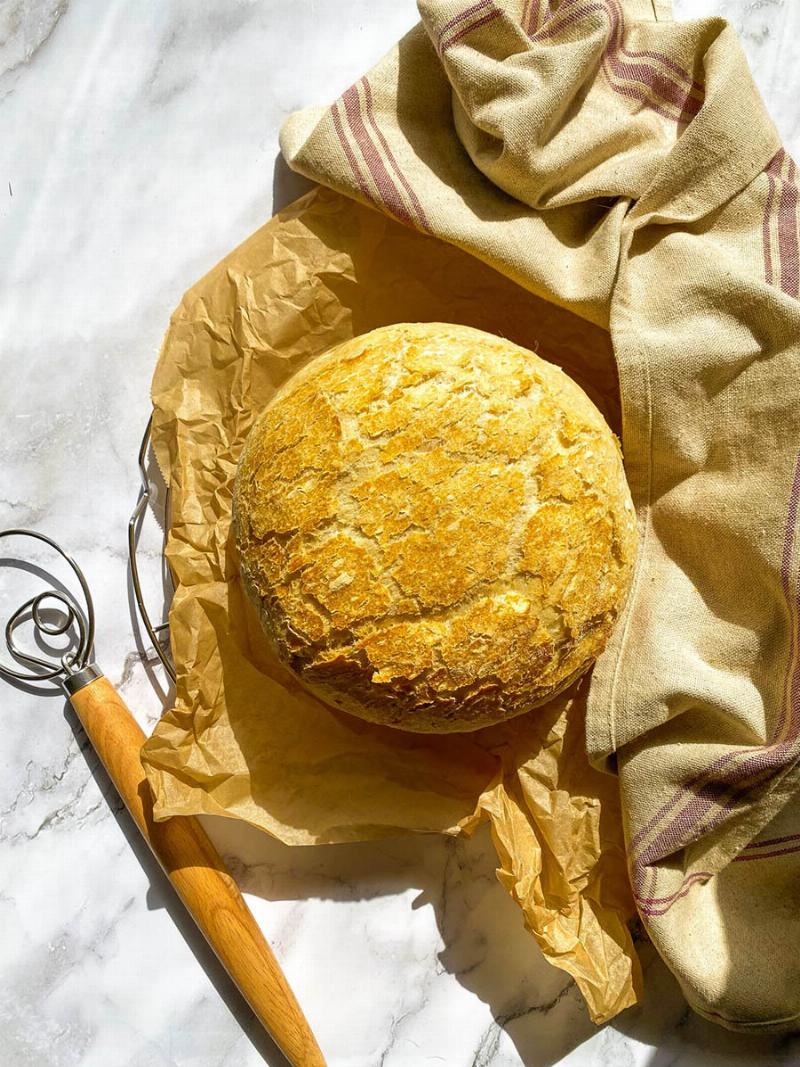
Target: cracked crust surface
x,y
435,528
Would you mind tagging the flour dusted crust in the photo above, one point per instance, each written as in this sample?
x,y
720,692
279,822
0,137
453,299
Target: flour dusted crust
x,y
435,528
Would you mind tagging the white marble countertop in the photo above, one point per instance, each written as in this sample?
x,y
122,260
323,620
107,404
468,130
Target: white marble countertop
x,y
138,144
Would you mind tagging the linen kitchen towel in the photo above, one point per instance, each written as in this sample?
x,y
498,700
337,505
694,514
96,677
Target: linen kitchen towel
x,y
623,166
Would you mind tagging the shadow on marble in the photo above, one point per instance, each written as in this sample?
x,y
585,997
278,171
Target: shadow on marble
x,y
287,186
483,942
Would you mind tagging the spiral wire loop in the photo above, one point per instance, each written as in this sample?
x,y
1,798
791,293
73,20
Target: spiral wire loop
x,y
32,669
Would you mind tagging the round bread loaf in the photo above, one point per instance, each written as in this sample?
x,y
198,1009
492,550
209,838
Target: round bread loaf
x,y
435,528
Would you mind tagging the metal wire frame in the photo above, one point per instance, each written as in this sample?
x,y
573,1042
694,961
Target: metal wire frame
x,y
71,612
145,494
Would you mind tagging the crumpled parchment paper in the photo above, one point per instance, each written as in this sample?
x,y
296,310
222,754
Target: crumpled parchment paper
x,y
244,740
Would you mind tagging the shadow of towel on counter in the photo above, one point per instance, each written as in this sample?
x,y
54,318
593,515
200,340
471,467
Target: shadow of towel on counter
x,y
623,166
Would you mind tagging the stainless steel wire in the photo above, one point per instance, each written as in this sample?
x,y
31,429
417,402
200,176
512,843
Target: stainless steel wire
x,y
134,524
26,667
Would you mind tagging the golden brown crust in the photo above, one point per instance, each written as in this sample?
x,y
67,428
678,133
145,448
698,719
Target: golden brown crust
x,y
435,527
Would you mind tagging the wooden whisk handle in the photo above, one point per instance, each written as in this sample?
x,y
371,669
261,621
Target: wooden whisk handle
x,y
198,874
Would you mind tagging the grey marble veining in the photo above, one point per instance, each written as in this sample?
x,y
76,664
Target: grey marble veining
x,y
138,144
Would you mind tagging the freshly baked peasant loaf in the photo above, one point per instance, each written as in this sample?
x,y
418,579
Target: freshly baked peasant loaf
x,y
435,528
